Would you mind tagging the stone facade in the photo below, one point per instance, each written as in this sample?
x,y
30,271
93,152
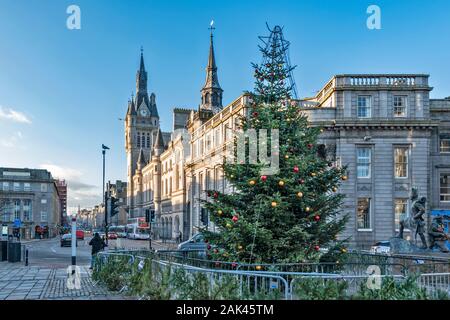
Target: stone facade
x,y
30,195
383,127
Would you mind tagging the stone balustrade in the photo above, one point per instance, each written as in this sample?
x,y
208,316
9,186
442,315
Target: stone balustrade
x,y
372,81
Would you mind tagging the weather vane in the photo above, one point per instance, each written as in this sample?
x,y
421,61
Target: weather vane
x,y
211,27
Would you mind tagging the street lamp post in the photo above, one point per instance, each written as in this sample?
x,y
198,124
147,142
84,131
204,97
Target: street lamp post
x,y
104,148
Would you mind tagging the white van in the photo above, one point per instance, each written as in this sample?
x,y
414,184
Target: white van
x,y
136,232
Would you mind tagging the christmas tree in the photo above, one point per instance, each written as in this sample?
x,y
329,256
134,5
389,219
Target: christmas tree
x,y
290,215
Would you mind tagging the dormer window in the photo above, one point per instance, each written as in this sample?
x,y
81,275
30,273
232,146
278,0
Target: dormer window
x,y
399,106
364,106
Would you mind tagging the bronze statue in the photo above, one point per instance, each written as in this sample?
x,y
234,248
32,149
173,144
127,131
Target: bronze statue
x,y
437,235
416,220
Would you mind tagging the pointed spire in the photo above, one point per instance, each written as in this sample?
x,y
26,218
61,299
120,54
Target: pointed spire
x,y
212,80
211,91
141,160
159,142
141,82
131,107
142,65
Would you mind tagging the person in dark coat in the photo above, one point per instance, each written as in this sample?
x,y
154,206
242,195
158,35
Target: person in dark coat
x,y
97,244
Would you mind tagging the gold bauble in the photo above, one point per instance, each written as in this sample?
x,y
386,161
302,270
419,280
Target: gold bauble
x,y
252,182
274,204
281,183
300,194
344,178
307,209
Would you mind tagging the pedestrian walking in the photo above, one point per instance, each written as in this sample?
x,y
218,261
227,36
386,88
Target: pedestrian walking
x,y
180,237
97,244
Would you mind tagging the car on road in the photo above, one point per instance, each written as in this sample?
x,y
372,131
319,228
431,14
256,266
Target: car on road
x,y
196,243
112,235
80,234
383,247
119,230
66,240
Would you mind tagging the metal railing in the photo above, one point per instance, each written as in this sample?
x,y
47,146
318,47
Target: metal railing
x,y
277,281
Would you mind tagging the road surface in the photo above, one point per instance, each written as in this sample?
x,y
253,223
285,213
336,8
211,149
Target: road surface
x,y
49,253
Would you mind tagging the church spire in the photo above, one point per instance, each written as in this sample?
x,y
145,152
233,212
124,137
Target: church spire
x,y
141,83
211,91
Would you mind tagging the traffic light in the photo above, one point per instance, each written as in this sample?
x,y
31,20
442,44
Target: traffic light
x,y
114,206
150,216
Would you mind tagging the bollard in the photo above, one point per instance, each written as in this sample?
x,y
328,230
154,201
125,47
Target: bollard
x,y
26,257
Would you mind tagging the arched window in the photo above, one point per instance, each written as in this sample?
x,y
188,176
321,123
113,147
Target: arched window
x,y
207,97
148,140
143,140
138,139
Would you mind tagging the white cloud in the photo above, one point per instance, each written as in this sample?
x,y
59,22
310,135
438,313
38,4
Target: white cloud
x,y
78,192
13,115
12,141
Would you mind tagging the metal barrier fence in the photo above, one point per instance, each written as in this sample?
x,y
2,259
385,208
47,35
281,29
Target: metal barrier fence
x,y
273,281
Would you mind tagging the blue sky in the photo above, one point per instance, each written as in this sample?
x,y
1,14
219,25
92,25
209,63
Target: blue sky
x,y
62,91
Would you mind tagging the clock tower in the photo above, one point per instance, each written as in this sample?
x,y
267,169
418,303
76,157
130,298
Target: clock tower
x,y
141,128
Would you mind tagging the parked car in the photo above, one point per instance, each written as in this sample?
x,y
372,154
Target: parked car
x,y
381,247
66,240
80,234
197,242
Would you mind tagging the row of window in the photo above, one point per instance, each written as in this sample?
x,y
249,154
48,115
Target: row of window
x,y
212,139
364,213
19,186
364,162
143,140
21,209
364,106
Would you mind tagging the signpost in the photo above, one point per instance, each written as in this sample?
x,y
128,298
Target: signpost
x,y
74,243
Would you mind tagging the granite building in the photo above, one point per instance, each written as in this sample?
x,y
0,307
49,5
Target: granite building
x,y
384,127
29,202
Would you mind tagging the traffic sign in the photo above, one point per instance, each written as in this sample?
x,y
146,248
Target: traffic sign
x,y
17,223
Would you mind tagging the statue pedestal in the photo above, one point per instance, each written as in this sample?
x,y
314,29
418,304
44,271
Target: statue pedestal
x,y
404,246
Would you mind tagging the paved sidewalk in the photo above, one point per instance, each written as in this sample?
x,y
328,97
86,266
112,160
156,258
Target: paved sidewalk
x,y
18,282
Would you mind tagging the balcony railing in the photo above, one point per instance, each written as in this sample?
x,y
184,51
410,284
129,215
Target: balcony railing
x,y
374,81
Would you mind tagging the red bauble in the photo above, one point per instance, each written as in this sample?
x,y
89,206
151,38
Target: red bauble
x,y
263,178
310,145
216,194
209,247
301,181
317,218
317,248
255,114
295,169
235,218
